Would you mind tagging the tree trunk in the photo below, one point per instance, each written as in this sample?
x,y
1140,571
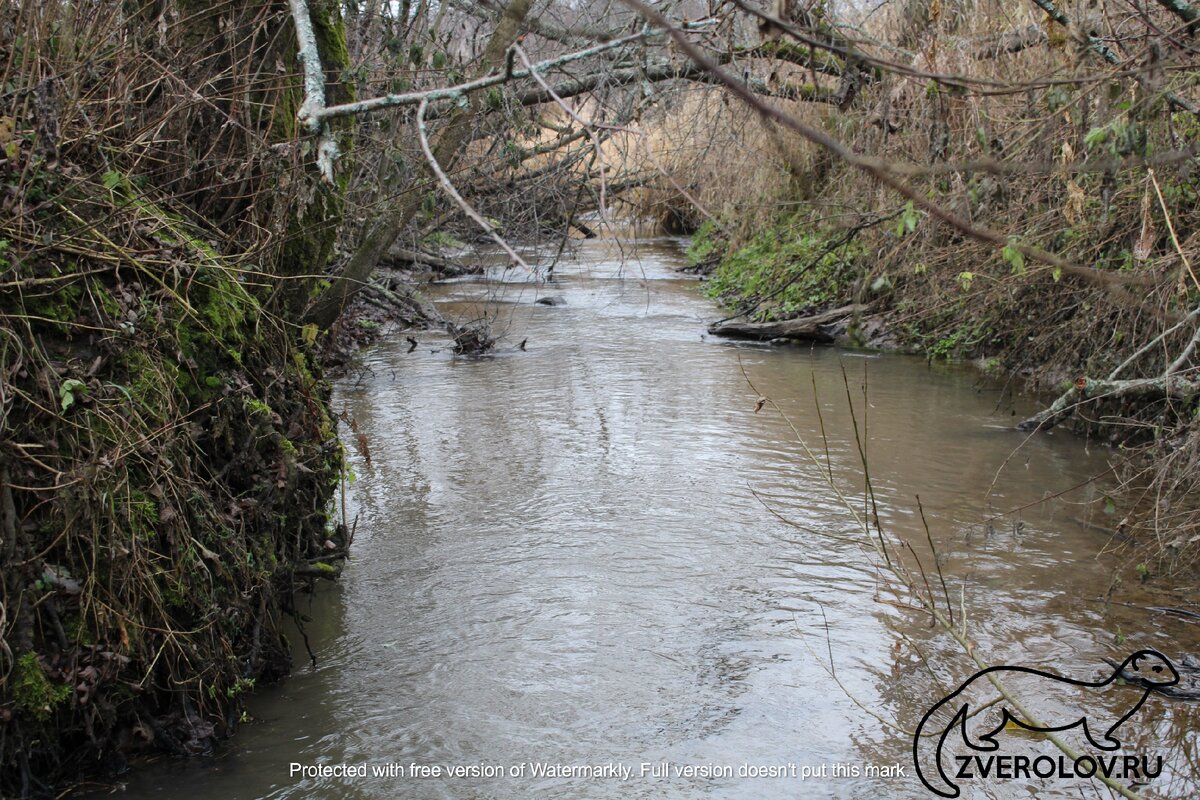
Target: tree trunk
x,y
380,238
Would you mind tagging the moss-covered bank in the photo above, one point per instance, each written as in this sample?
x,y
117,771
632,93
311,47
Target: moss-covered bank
x,y
168,459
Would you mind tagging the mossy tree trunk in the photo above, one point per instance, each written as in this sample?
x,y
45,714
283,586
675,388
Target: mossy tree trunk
x,y
446,148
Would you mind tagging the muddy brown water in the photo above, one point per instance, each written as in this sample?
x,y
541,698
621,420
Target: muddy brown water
x,y
595,552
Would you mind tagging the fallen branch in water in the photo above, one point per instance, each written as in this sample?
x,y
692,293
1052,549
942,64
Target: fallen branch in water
x,y
444,266
1168,385
814,328
1087,389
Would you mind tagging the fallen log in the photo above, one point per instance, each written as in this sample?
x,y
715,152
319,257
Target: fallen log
x,y
443,266
813,328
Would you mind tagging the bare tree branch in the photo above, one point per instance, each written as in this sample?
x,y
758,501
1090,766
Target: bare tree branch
x,y
448,187
1013,41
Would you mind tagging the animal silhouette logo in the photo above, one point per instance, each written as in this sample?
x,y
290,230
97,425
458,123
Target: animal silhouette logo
x,y
979,725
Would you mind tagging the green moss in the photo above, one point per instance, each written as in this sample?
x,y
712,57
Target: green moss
x,y
962,342
441,239
150,381
62,306
107,302
33,692
330,30
226,309
141,514
256,406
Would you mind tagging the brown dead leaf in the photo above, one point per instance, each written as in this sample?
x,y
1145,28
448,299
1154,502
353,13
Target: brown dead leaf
x,y
1076,198
1145,242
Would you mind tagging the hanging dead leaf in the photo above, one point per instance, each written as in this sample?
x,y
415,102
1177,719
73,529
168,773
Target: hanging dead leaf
x,y
762,401
1145,242
1076,198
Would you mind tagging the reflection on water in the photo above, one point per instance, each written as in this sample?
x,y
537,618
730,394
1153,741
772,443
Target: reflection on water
x,y
594,552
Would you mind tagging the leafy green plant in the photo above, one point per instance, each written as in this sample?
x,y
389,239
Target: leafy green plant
x,y
1014,257
67,390
787,269
703,244
907,223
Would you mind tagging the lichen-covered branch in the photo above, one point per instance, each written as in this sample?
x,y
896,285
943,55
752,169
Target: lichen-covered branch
x,y
310,113
1185,11
460,91
310,59
1088,389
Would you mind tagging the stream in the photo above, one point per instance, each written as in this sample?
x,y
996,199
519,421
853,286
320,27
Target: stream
x,y
596,551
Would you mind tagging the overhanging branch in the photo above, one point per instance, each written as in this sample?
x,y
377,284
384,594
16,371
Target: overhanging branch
x,y
309,115
881,170
460,91
1104,51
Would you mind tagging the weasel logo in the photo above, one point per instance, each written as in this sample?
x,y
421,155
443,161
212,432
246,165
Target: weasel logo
x,y
1147,669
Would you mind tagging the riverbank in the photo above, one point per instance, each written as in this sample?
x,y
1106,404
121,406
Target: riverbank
x,y
802,280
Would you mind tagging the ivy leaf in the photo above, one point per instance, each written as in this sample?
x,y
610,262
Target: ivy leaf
x,y
66,392
908,220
